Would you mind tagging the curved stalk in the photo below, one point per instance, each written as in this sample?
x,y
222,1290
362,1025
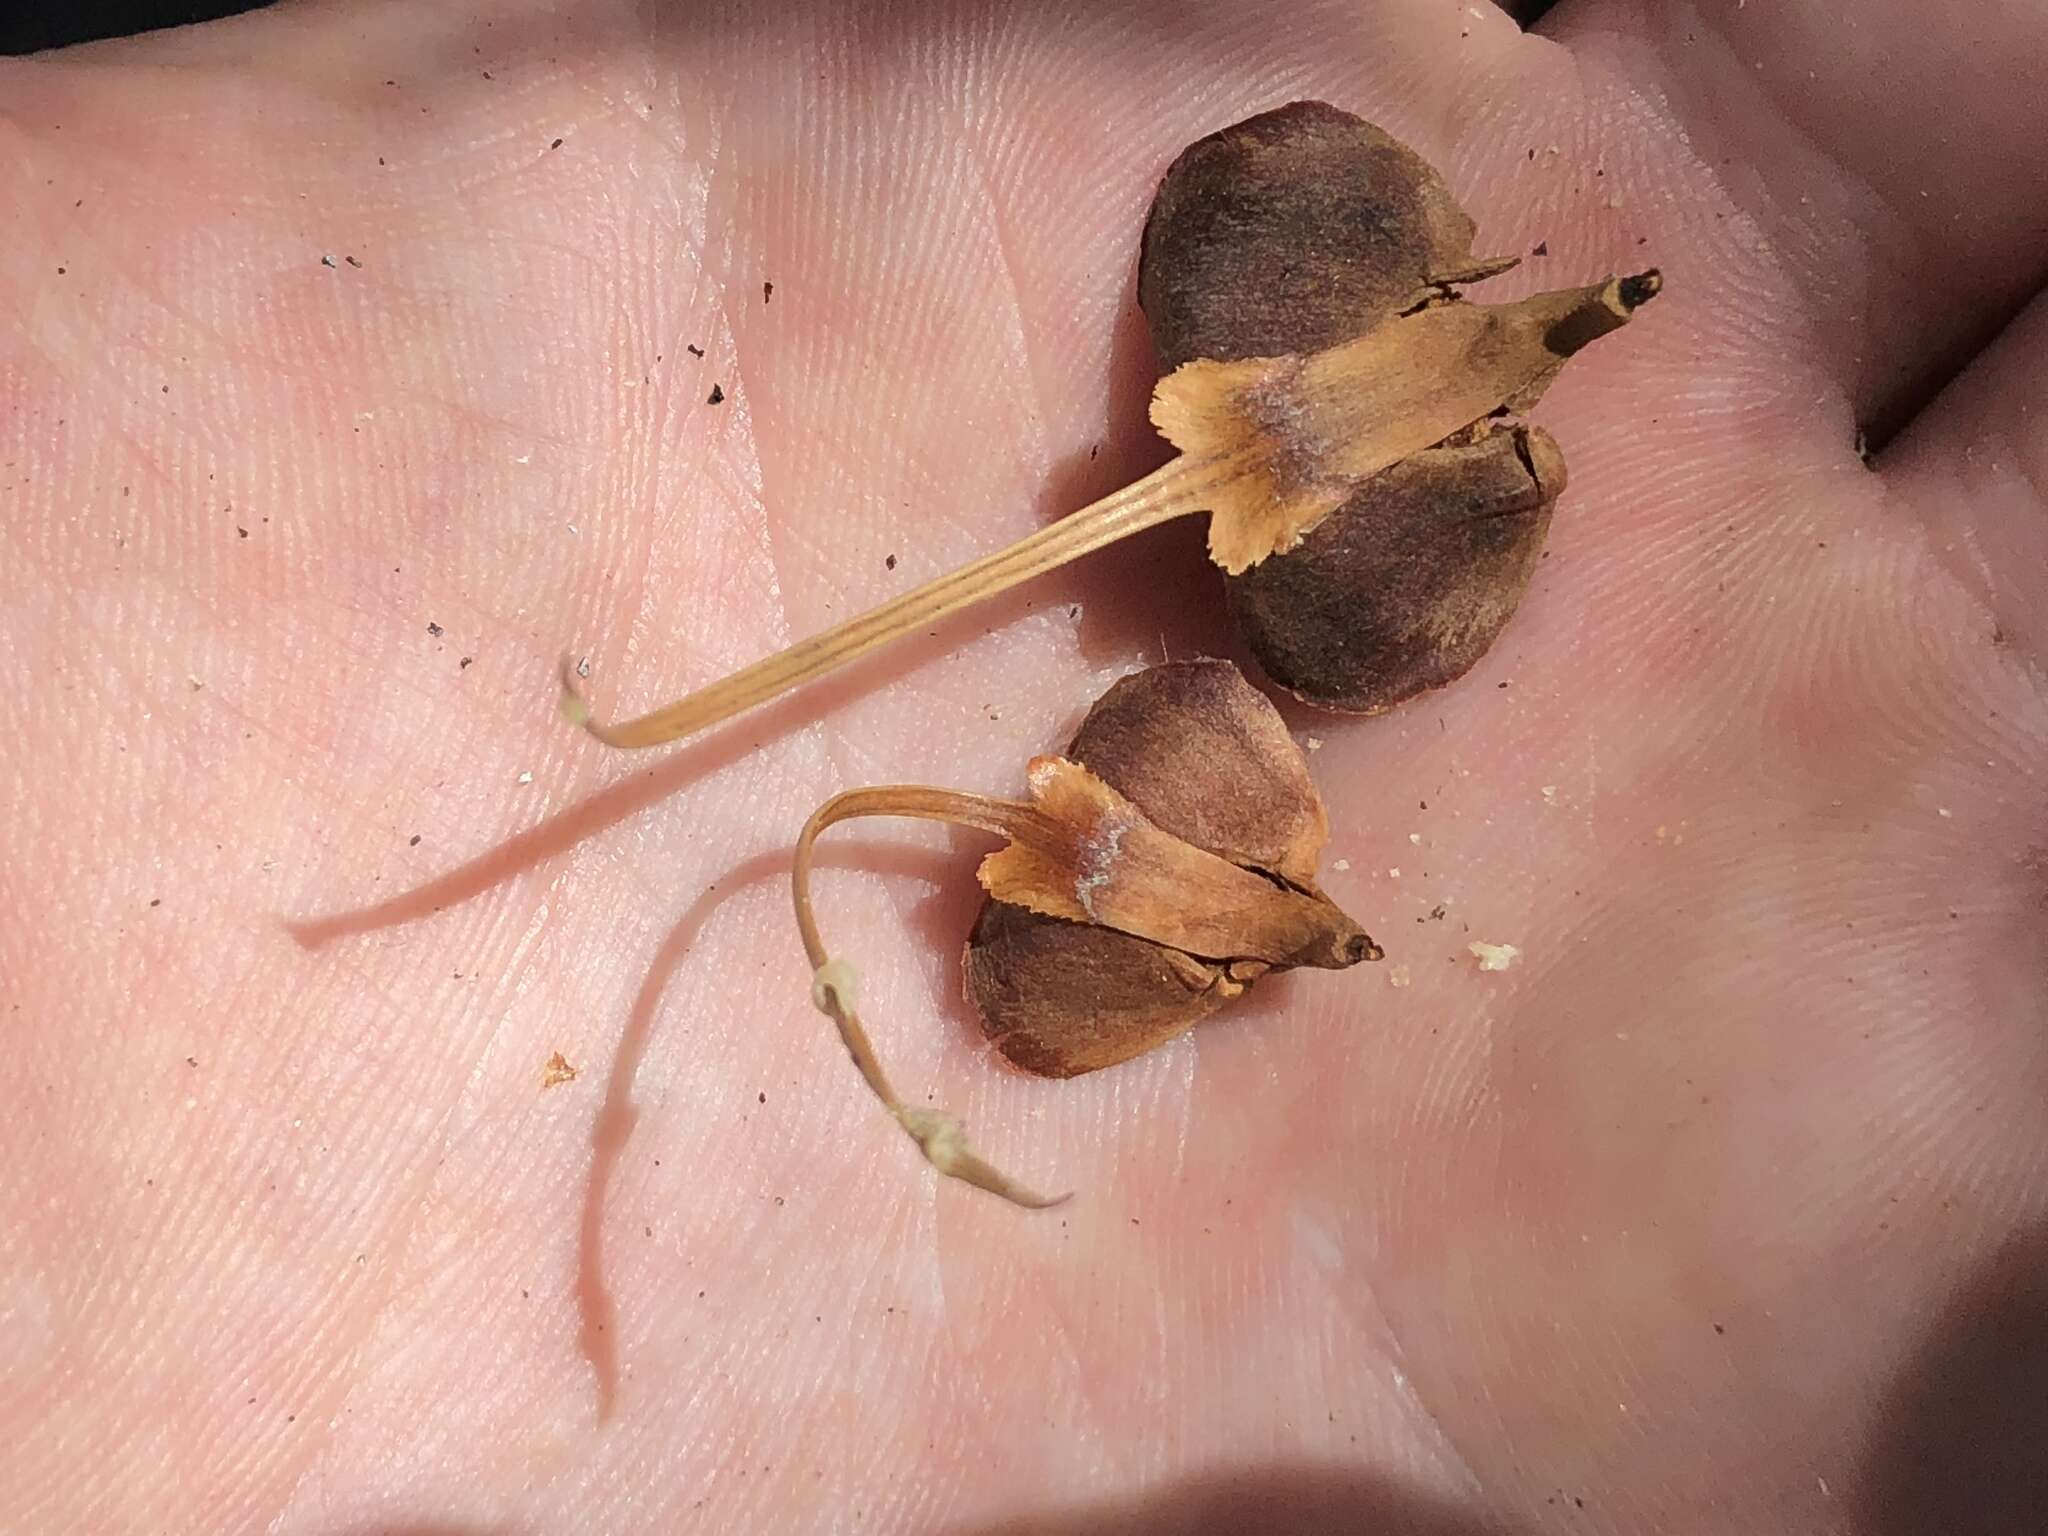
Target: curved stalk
x,y
938,1135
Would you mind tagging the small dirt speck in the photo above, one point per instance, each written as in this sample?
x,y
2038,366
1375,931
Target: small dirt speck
x,y
1540,248
241,530
889,563
716,397
767,292
466,664
693,349
326,261
556,145
434,629
413,841
352,261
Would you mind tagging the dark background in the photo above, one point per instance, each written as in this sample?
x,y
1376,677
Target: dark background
x,y
27,25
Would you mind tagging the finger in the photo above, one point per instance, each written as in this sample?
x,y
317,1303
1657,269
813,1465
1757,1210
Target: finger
x,y
1974,466
1889,159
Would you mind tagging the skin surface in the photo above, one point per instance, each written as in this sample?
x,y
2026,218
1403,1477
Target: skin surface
x,y
1725,1209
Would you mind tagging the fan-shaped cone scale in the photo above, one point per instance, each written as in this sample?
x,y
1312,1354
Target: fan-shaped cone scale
x,y
1294,232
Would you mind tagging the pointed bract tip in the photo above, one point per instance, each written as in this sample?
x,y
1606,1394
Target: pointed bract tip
x,y
1639,290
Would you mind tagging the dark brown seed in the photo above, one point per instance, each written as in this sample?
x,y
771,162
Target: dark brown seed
x,y
1206,757
1291,231
1059,999
1407,586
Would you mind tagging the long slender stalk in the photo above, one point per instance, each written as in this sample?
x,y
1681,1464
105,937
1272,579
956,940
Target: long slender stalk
x,y
940,1137
1269,446
1175,489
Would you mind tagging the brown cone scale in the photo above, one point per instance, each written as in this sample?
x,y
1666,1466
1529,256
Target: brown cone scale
x,y
1206,758
1292,232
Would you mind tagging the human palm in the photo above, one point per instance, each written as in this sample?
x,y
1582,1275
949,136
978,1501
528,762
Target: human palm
x,y
340,396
